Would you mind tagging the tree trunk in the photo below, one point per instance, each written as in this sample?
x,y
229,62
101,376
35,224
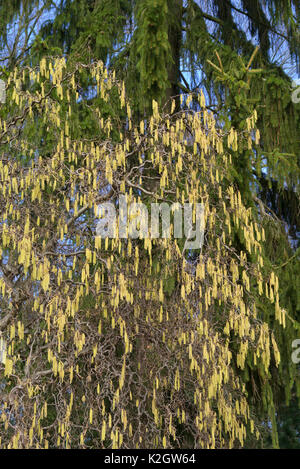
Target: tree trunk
x,y
175,38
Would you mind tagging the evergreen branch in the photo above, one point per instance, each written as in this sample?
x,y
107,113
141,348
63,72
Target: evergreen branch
x,y
291,258
256,21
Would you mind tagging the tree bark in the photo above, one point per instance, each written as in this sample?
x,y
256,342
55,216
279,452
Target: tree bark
x,y
175,39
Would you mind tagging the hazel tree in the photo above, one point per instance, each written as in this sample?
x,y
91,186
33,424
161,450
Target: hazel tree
x,y
120,342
